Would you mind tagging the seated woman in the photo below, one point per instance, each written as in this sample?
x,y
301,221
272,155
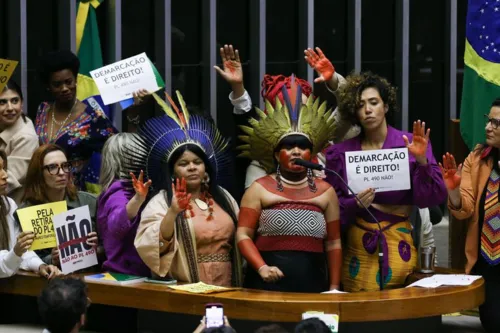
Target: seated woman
x,y
272,85
187,229
289,228
14,244
365,100
79,127
18,138
49,179
473,197
119,208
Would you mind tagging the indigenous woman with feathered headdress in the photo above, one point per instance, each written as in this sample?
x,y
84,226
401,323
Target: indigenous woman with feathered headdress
x,y
187,229
289,219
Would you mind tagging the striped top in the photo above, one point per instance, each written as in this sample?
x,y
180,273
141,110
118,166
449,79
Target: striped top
x,y
291,226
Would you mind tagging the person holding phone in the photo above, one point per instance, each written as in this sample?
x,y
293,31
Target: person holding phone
x,y
214,320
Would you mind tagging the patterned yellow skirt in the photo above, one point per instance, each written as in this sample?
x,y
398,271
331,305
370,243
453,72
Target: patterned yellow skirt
x,y
360,248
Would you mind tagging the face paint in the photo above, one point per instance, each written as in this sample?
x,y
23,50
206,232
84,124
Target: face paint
x,y
287,156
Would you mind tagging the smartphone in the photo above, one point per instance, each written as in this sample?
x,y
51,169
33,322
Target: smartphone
x,y
171,281
214,315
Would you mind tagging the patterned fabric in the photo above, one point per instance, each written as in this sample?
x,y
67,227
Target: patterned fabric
x,y
82,139
490,235
361,268
296,226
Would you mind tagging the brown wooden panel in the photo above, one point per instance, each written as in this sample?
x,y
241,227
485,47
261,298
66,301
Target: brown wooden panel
x,y
393,304
457,228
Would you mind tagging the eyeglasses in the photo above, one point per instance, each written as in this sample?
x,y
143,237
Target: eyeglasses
x,y
53,169
494,121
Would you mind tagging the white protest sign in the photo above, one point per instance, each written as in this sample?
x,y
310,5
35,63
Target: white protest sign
x,y
72,228
384,170
117,82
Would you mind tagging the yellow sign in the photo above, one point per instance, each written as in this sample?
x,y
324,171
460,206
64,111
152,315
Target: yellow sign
x,y
39,220
6,69
201,288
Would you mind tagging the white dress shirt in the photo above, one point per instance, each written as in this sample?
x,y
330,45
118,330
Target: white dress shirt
x,y
10,263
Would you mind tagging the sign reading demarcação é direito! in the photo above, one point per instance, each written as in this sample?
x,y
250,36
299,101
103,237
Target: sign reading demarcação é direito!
x,y
384,170
117,82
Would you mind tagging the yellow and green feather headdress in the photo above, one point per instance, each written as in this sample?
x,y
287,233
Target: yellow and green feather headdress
x,y
311,120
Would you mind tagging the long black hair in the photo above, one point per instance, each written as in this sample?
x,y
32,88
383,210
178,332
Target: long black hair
x,y
217,193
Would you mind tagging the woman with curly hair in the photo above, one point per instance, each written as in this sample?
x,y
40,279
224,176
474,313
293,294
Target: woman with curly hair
x,y
365,100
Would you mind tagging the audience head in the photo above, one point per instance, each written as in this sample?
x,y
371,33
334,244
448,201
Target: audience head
x,y
272,87
4,204
59,72
492,125
113,157
48,169
11,105
312,325
292,147
273,328
63,304
366,99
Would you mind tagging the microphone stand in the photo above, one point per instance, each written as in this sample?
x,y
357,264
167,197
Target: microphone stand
x,y
380,246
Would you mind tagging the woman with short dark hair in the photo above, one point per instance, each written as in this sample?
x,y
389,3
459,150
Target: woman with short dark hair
x,y
80,127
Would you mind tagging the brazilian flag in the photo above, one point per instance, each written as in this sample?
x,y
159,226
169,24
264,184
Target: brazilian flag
x,y
482,68
88,47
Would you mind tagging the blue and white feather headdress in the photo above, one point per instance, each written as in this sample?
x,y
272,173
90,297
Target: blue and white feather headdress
x,y
160,137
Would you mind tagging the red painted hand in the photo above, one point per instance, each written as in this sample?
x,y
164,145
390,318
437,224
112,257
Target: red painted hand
x,y
181,200
318,61
232,72
418,147
141,188
451,174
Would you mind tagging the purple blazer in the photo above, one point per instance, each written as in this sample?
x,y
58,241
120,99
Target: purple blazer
x,y
118,232
427,184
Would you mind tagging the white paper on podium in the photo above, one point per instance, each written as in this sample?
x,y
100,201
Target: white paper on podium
x,y
445,280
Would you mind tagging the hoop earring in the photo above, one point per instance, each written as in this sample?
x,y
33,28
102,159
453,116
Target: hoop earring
x,y
278,179
310,181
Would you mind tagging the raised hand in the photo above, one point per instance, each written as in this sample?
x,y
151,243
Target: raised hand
x,y
451,173
140,96
232,72
181,200
141,188
418,147
55,256
318,61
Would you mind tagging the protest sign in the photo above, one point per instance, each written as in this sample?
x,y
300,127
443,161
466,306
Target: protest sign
x,y
39,220
383,169
117,82
6,69
72,228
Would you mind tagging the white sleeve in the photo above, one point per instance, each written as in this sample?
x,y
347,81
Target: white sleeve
x,y
242,104
9,263
31,262
254,172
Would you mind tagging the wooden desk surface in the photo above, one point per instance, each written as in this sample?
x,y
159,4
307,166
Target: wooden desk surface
x,y
393,304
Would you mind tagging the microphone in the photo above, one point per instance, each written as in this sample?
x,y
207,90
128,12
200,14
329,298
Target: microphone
x,y
319,167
